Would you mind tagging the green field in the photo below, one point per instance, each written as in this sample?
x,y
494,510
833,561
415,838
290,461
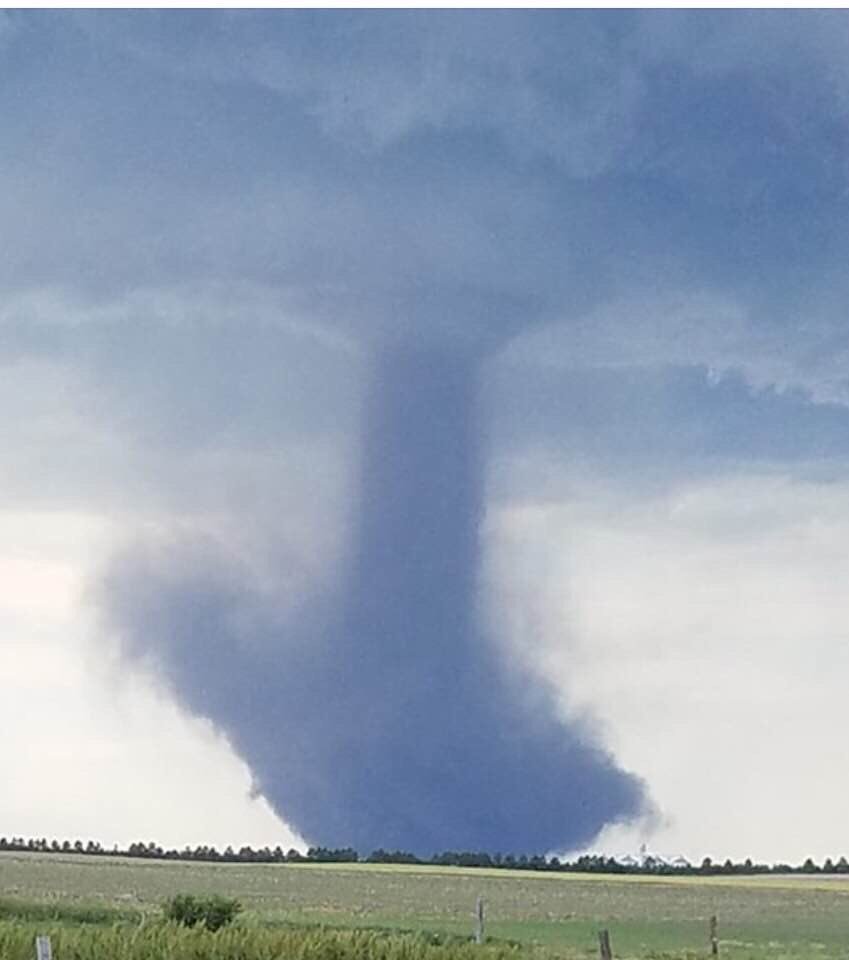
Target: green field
x,y
560,913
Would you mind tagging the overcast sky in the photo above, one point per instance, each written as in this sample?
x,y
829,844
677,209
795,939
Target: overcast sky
x,y
638,218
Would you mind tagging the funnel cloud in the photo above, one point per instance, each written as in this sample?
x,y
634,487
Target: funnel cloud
x,y
383,716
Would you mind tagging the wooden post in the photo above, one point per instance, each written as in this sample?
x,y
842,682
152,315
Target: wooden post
x,y
43,950
714,941
479,930
604,951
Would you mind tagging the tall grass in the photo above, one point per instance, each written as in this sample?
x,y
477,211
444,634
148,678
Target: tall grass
x,y
61,911
167,941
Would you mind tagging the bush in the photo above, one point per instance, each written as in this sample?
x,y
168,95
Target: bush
x,y
213,912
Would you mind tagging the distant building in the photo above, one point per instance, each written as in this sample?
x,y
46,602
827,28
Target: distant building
x,y
646,859
628,861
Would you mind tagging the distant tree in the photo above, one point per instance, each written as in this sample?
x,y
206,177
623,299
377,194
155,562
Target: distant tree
x,y
333,854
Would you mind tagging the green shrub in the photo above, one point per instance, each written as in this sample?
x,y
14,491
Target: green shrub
x,y
213,912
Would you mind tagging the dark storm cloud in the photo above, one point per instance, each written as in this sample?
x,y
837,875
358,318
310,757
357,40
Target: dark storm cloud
x,y
681,418
494,152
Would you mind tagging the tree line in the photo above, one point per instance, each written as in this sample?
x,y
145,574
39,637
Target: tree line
x,y
584,864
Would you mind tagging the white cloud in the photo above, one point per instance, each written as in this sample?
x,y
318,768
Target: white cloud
x,y
707,630
125,762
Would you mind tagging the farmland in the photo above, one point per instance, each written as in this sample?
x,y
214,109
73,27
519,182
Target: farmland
x,y
555,913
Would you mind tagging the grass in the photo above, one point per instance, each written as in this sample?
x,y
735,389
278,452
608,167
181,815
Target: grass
x,y
57,911
555,914
163,941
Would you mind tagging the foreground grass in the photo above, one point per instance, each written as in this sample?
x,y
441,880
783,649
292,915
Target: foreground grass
x,y
165,941
62,912
556,915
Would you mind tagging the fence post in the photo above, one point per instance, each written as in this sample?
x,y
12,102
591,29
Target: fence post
x,y
714,941
43,950
479,930
605,953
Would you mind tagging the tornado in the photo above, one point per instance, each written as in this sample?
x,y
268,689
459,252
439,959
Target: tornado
x,y
382,714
